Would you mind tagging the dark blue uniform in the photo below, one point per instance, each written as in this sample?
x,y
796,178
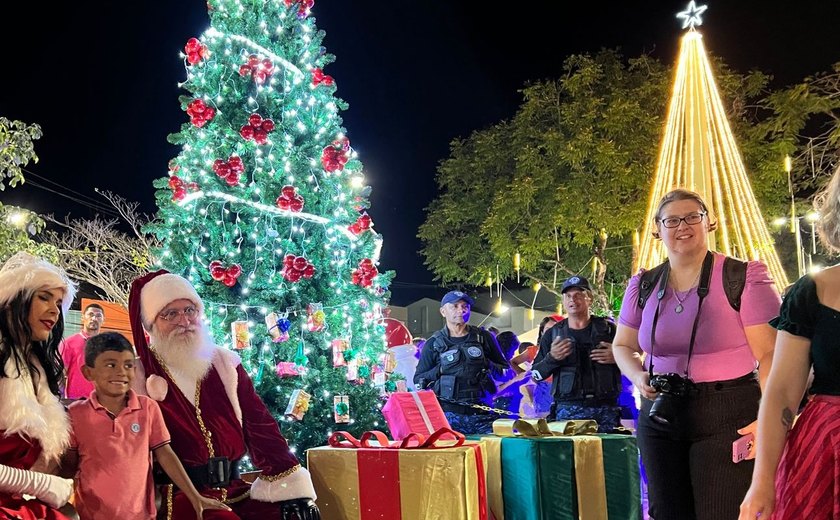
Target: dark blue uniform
x,y
462,369
582,388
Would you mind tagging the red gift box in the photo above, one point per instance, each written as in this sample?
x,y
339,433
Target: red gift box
x,y
407,412
414,479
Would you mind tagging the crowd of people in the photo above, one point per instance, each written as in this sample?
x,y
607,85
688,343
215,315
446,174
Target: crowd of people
x,y
715,354
721,364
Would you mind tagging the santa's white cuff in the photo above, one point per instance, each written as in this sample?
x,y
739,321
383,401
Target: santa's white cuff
x,y
296,485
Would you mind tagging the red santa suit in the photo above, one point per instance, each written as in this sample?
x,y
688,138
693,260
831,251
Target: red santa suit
x,y
33,427
230,420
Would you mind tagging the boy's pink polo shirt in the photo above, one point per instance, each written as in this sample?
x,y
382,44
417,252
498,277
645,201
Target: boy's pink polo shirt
x,y
115,462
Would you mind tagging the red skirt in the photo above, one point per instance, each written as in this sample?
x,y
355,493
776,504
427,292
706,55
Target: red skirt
x,y
808,478
19,452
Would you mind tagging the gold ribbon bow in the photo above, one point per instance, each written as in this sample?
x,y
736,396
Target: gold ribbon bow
x,y
543,428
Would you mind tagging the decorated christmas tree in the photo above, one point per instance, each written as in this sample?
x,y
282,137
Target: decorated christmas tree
x,y
264,212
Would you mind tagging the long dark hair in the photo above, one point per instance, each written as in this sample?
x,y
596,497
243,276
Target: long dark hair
x,y
17,344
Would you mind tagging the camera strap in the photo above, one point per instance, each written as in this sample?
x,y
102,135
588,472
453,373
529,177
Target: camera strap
x,y
702,291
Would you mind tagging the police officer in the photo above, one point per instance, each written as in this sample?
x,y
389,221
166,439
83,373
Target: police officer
x,y
577,352
459,362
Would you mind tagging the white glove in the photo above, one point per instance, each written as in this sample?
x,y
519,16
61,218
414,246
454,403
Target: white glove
x,y
49,489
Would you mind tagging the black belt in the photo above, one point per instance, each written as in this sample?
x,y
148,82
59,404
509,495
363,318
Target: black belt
x,y
712,386
218,472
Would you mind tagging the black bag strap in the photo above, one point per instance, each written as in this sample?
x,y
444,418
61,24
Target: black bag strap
x,y
648,282
734,280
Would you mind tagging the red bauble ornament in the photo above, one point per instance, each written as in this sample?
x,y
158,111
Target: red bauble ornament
x,y
300,263
244,70
283,203
288,260
319,78
255,120
260,136
293,275
364,221
268,125
296,204
288,191
217,273
195,51
226,275
365,273
247,132
309,271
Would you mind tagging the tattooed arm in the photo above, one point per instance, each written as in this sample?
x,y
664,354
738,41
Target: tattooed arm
x,y
780,400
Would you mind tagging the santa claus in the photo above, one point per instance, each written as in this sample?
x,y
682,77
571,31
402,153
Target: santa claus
x,y
212,411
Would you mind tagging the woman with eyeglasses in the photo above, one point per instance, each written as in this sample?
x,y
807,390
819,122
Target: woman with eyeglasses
x,y
697,345
34,295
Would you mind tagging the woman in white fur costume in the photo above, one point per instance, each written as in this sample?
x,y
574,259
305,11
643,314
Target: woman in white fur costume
x,y
34,295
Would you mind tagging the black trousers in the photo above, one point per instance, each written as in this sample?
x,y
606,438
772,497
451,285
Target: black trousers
x,y
689,465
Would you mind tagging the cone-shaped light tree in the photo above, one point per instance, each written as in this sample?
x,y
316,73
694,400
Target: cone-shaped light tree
x,y
263,211
699,152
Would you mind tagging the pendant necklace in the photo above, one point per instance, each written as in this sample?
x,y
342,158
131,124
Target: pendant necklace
x,y
679,308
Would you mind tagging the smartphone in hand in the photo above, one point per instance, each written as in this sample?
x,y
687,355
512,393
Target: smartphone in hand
x,y
741,448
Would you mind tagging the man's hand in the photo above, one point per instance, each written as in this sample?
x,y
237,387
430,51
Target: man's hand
x,y
561,348
603,354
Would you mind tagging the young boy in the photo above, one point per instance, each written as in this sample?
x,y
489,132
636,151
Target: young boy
x,y
113,433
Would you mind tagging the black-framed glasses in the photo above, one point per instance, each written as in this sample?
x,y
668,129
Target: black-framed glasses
x,y
174,314
692,220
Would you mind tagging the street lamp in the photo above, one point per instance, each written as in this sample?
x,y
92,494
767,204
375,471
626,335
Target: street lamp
x,y
803,264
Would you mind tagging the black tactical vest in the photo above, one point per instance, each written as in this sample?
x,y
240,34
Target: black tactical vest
x,y
580,377
464,368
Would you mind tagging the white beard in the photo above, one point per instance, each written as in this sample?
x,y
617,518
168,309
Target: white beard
x,y
188,353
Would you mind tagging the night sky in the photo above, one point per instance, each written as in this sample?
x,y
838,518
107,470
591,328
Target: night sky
x,y
101,77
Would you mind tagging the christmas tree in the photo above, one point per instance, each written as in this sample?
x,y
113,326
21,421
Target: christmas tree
x,y
699,152
264,212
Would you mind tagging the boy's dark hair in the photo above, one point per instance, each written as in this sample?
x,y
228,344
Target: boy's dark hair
x,y
93,306
105,342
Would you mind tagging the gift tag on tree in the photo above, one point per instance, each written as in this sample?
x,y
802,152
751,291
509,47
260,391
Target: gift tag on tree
x,y
341,408
278,327
352,370
338,347
316,320
298,405
240,334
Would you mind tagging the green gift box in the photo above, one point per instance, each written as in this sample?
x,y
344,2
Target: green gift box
x,y
541,477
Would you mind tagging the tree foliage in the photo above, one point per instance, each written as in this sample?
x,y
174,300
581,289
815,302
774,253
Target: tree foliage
x,y
98,252
565,182
16,150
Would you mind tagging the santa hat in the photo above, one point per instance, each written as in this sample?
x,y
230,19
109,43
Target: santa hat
x,y
24,273
149,295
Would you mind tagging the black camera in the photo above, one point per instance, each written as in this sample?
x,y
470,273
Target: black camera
x,y
672,389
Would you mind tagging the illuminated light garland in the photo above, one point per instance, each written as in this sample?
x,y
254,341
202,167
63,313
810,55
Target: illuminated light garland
x,y
213,32
309,217
699,152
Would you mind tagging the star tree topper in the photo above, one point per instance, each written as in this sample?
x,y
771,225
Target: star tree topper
x,y
691,16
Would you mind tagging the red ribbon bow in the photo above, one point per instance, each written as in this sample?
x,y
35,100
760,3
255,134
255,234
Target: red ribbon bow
x,y
343,439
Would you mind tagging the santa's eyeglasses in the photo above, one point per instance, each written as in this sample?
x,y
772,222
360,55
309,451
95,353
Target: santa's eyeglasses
x,y
175,314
